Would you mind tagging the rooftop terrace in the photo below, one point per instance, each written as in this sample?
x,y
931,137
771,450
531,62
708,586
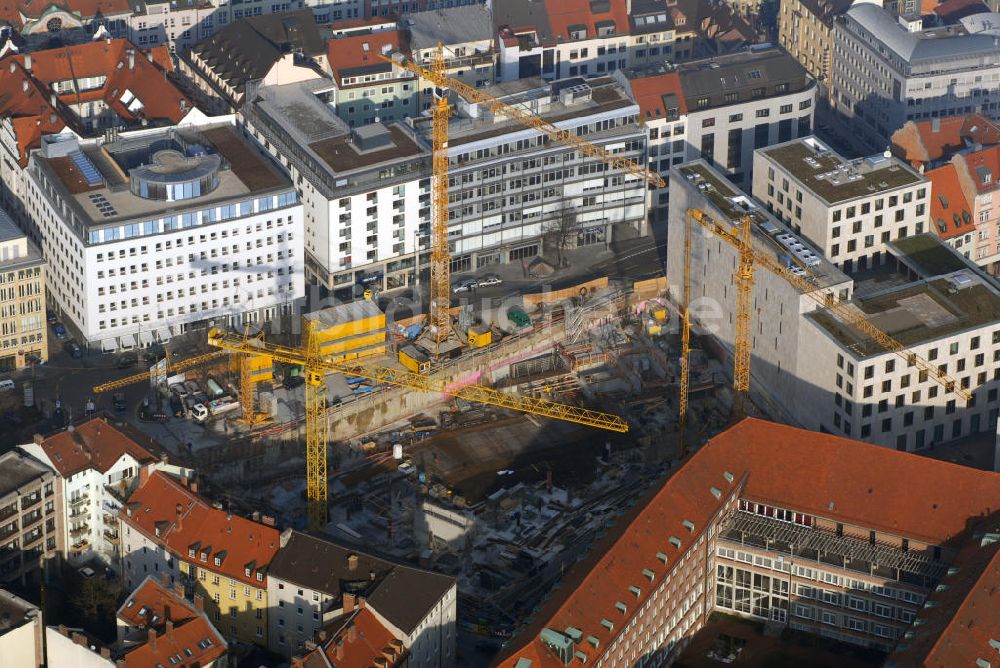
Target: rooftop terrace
x,y
835,179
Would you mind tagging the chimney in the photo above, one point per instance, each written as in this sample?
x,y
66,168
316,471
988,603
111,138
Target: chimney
x,y
184,480
180,516
63,631
267,520
105,653
352,562
349,601
179,589
169,626
361,602
193,486
199,602
143,475
38,439
151,638
255,516
27,62
79,639
297,662
120,663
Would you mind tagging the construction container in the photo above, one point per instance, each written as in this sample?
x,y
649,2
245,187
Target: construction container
x,y
518,317
480,336
350,331
414,360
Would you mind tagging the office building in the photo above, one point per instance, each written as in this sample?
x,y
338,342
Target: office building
x,y
169,531
31,531
889,70
367,194
314,584
152,232
367,89
818,371
805,31
850,209
812,532
23,331
98,467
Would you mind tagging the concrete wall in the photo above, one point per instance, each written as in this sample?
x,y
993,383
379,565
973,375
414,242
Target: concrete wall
x,y
19,647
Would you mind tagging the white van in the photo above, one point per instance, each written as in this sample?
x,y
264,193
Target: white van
x,y
6,385
199,413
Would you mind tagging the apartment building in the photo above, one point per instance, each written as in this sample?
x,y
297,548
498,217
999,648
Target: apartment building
x,y
169,531
85,89
888,70
850,209
805,31
722,109
977,172
178,24
367,195
98,467
23,331
68,21
468,39
31,528
931,143
155,231
821,372
951,216
365,88
305,599
748,527
21,632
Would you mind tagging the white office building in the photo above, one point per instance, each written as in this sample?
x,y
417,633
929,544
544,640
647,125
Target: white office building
x,y
156,231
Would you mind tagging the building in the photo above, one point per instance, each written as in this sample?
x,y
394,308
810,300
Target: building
x,y
31,531
20,632
177,24
367,194
314,584
156,624
64,21
356,638
152,232
850,209
98,467
350,331
169,531
951,216
977,173
270,49
23,331
887,71
808,531
367,89
931,143
85,89
468,39
819,372
805,30
722,109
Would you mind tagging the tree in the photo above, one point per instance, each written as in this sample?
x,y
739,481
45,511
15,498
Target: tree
x,y
94,598
558,233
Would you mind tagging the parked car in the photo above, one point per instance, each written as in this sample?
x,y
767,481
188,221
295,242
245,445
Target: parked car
x,y
119,401
291,382
51,317
490,280
73,348
406,468
465,286
127,360
179,390
177,406
59,330
192,387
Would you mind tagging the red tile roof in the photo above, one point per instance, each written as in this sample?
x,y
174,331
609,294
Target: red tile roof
x,y
650,91
951,215
145,81
820,474
172,515
922,142
353,52
95,444
190,636
19,13
357,639
566,14
984,168
950,11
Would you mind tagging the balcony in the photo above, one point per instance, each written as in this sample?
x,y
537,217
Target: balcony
x,y
112,537
77,548
110,520
30,501
31,519
81,530
83,498
9,531
8,511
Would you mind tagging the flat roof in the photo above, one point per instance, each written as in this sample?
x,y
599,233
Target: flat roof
x,y
926,255
18,470
822,171
9,231
735,204
451,25
245,173
342,314
341,154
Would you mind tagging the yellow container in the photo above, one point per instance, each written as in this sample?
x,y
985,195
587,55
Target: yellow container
x,y
480,337
414,360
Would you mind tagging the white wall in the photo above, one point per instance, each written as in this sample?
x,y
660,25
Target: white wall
x,y
18,646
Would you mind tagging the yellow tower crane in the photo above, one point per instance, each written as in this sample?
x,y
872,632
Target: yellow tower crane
x,y
440,299
316,365
174,367
682,400
741,239
743,279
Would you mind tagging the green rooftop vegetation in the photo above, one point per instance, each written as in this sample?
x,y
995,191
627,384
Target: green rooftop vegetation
x,y
792,157
930,256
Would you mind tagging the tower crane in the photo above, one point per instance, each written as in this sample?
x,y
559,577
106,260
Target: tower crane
x,y
440,294
316,365
740,238
682,399
172,367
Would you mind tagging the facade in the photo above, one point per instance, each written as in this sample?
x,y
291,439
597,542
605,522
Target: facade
x,y
722,109
887,71
805,30
156,624
306,599
21,632
977,173
168,531
67,21
177,25
23,331
98,467
365,88
951,216
820,372
32,525
745,527
155,231
367,194
850,209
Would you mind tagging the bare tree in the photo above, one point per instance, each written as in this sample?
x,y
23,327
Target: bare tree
x,y
559,232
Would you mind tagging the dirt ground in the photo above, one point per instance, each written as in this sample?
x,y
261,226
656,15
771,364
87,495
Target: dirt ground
x,y
772,652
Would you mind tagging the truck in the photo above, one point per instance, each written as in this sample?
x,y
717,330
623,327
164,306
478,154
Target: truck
x,y
216,407
414,360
